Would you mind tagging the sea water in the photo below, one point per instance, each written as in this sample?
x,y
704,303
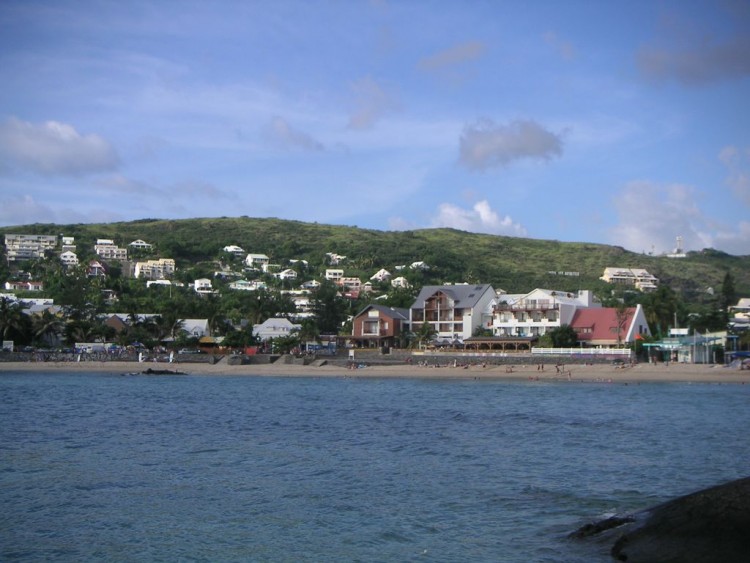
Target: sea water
x,y
97,467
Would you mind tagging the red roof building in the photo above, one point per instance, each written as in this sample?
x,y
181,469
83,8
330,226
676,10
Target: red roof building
x,y
606,327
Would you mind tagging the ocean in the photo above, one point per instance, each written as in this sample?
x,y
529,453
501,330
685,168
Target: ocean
x,y
98,467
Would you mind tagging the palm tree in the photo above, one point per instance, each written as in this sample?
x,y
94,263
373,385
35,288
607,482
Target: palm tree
x,y
426,333
12,319
47,327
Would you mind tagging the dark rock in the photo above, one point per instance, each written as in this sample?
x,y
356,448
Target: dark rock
x,y
706,526
152,371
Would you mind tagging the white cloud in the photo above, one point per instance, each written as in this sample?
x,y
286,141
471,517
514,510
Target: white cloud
x,y
371,102
651,216
456,55
486,144
54,148
481,218
283,134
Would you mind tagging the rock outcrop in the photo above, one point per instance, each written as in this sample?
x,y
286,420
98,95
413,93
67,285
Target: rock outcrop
x,y
707,526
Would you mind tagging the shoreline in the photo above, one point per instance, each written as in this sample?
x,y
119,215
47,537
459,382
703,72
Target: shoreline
x,y
639,373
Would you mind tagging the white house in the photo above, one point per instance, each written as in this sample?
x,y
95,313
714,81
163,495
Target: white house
x,y
234,249
302,302
69,258
256,261
537,312
203,286
311,284
739,315
245,285
334,274
381,275
274,328
140,245
196,327
287,274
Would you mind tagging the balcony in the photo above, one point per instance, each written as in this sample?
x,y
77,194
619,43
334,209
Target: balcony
x,y
528,306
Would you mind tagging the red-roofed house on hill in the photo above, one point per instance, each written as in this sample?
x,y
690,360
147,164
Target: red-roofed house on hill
x,y
609,327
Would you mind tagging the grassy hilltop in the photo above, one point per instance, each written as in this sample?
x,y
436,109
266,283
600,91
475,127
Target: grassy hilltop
x,y
510,263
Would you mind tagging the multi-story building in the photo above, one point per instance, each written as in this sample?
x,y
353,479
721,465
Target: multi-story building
x,y
108,250
453,312
69,258
537,312
635,277
155,269
379,325
334,274
28,247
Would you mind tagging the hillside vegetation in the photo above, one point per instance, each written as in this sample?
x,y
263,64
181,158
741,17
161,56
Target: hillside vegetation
x,y
509,263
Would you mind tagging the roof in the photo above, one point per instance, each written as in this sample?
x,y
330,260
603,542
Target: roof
x,y
465,296
393,312
600,324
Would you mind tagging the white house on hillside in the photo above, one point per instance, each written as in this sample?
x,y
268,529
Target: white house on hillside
x,y
69,258
203,286
234,249
381,275
256,261
140,245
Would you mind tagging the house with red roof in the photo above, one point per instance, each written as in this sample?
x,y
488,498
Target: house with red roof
x,y
610,327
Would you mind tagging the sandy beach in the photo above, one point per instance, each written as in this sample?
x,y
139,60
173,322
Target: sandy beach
x,y
588,373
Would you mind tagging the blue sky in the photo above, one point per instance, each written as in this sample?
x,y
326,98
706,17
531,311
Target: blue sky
x,y
617,122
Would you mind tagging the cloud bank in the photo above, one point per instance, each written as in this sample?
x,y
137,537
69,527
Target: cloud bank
x,y
479,219
54,148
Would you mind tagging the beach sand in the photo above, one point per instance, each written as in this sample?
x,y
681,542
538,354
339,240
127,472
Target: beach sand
x,y
604,373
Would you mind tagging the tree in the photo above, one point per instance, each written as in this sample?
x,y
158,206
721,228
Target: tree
x,y
47,327
660,308
426,333
329,309
727,295
13,323
562,336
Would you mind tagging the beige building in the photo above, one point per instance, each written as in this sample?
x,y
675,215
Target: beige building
x,y
28,247
155,269
635,277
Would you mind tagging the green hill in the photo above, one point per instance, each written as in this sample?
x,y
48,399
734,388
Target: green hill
x,y
509,263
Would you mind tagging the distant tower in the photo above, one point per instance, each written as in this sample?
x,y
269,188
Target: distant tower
x,y
678,249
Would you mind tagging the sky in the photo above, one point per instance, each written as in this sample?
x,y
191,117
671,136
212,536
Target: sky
x,y
614,122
